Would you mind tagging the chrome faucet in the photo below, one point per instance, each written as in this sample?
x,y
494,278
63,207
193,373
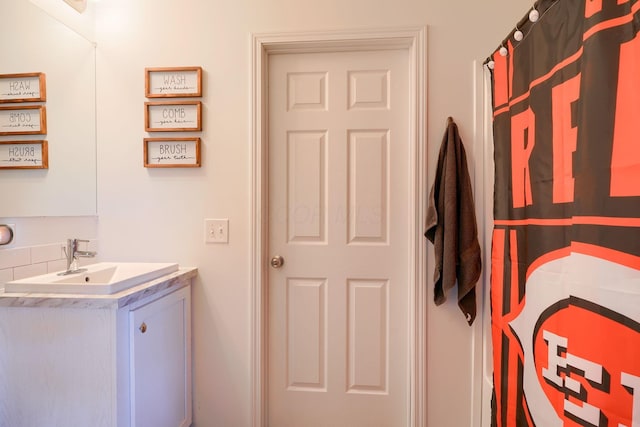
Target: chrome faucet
x,y
72,253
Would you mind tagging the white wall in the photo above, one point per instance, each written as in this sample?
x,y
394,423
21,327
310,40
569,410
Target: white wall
x,y
157,215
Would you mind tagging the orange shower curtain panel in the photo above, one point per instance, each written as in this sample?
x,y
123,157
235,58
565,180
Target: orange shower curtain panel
x,y
565,278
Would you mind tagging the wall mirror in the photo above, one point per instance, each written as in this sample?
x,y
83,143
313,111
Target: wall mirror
x,y
35,42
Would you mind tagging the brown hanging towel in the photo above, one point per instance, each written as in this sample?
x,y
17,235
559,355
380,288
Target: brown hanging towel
x,y
452,227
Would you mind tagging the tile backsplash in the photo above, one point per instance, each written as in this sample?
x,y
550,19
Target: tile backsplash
x,y
20,263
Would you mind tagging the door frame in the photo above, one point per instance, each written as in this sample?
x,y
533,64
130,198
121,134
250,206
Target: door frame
x,y
413,39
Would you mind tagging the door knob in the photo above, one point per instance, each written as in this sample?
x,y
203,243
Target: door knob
x,y
277,261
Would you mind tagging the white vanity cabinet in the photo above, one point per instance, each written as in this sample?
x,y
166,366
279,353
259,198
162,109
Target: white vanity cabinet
x,y
121,360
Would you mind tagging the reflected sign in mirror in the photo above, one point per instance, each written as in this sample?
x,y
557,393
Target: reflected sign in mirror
x,y
39,49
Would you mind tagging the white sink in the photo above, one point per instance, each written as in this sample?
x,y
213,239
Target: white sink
x,y
98,279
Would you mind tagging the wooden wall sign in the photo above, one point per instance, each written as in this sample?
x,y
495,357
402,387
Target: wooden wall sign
x,y
24,155
27,87
172,152
173,82
27,120
173,116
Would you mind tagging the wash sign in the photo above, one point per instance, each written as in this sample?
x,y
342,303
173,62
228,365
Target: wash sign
x,y
565,279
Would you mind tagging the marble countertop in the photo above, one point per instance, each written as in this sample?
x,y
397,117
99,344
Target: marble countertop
x,y
172,281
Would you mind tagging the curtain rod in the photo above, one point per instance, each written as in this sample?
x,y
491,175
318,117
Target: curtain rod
x,y
539,8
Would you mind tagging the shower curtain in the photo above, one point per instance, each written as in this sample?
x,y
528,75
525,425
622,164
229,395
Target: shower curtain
x,y
565,278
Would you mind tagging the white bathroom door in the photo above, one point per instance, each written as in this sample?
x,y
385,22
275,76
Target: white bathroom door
x,y
339,219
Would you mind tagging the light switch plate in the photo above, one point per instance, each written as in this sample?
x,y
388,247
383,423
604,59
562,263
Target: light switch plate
x,y
216,230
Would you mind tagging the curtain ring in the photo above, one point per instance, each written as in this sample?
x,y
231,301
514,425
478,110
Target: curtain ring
x,y
534,15
503,51
518,35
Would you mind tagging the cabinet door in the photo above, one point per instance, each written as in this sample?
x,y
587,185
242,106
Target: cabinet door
x,y
160,346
